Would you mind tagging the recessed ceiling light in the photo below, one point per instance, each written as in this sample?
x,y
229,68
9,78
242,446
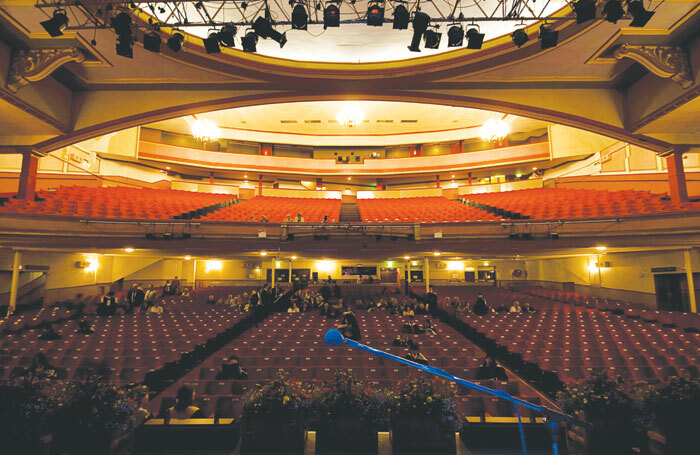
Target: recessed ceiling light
x,y
294,258
188,257
129,249
436,253
263,253
601,248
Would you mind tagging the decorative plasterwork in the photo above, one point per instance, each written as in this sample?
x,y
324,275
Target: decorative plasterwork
x,y
664,61
36,64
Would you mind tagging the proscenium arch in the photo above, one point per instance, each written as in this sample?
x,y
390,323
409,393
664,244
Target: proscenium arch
x,y
538,113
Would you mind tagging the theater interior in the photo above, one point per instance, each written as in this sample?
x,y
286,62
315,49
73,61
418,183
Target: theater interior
x,y
542,158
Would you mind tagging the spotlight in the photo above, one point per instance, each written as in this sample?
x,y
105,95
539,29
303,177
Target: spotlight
x,y
474,39
121,23
585,10
640,16
249,41
401,17
548,37
125,46
420,25
375,15
300,18
264,29
519,37
175,41
331,16
152,41
432,39
226,35
211,43
455,36
613,11
58,22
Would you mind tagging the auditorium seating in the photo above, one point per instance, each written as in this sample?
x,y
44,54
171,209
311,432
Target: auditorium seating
x,y
572,341
294,343
430,209
115,202
276,209
567,203
123,347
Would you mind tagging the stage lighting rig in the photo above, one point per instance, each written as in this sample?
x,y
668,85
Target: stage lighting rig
x,y
401,17
432,38
57,24
613,11
331,16
152,41
264,30
375,14
211,42
585,11
640,16
475,39
249,42
227,35
175,41
455,35
421,21
300,18
548,37
519,37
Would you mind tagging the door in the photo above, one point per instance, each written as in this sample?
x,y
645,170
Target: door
x,y
671,292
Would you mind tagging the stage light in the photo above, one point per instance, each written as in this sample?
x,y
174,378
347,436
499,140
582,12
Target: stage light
x,y
640,16
121,23
128,249
263,253
331,16
601,248
250,41
152,41
188,257
432,39
125,46
211,42
407,258
548,37
420,25
401,18
585,10
436,253
264,30
175,41
58,22
375,15
293,258
613,11
455,36
474,39
226,35
519,37
300,18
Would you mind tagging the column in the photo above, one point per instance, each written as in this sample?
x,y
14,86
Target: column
x,y
676,177
272,272
426,273
691,282
437,181
211,178
291,261
14,284
27,177
408,271
260,182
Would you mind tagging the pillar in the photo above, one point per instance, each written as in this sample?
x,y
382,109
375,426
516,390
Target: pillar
x,y
676,177
291,261
260,182
211,178
691,282
408,271
437,181
319,183
426,273
272,273
469,175
27,177
14,284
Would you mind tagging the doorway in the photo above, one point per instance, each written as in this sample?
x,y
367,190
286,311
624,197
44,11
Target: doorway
x,y
671,292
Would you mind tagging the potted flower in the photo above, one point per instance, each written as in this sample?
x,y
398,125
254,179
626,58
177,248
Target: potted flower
x,y
613,414
423,417
349,415
274,416
674,406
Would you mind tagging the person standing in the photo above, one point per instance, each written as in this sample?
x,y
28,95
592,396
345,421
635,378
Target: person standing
x,y
131,296
139,298
175,286
167,289
150,296
480,306
431,299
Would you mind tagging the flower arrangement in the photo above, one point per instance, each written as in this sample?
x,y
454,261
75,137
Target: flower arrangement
x,y
673,407
281,399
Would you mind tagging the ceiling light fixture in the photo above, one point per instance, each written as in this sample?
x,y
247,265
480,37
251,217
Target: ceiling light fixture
x,y
264,30
401,17
519,37
494,130
613,11
455,35
175,41
375,14
227,35
250,41
432,39
57,24
420,25
331,16
152,41
475,39
128,249
205,131
300,18
350,115
640,16
548,37
211,42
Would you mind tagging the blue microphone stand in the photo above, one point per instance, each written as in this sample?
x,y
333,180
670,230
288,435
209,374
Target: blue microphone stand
x,y
553,419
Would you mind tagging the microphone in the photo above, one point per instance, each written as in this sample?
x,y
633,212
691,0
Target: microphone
x,y
334,337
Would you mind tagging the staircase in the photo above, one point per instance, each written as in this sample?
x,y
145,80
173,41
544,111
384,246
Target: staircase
x,y
349,213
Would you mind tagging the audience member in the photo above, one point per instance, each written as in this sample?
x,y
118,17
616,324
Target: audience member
x,y
489,369
167,288
85,328
232,370
131,296
184,405
349,326
139,299
481,308
431,299
108,304
429,328
175,286
299,218
41,368
229,300
150,296
412,327
211,300
402,342
156,308
142,413
293,309
186,292
49,333
515,308
415,355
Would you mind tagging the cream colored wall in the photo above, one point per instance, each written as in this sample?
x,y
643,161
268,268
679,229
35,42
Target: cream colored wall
x,y
568,142
301,193
399,193
506,186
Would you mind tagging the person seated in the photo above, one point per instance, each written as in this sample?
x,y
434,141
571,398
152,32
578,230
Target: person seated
x,y
412,327
252,218
456,302
85,328
288,218
408,311
349,326
220,301
263,219
429,328
167,289
141,414
299,218
481,308
184,405
107,305
186,292
515,308
414,354
232,370
237,301
489,369
41,368
156,308
293,309
527,308
448,301
229,300
211,300
401,342
49,333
